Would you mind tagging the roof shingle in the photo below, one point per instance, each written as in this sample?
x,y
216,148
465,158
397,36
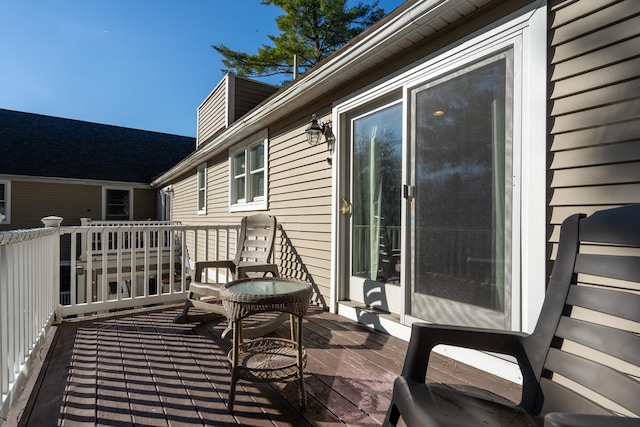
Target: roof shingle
x,y
45,146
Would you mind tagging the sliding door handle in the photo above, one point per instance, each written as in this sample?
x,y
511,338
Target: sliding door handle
x,y
345,207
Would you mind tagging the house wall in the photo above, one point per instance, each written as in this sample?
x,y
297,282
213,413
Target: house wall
x,y
594,125
594,122
300,188
31,201
185,209
144,204
212,113
247,94
231,99
299,196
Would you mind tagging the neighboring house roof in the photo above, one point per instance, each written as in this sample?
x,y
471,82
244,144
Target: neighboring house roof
x,y
45,146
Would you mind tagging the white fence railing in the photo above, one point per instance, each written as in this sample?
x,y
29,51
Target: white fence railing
x,y
29,282
122,265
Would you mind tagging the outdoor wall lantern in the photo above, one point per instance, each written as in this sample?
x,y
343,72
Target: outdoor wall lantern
x,y
317,130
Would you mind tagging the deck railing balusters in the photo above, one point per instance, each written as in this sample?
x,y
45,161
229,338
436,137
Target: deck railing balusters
x,y
29,280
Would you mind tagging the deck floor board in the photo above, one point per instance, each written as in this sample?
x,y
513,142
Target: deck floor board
x,y
139,368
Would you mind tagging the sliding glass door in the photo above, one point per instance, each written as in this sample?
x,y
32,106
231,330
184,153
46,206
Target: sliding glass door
x,y
461,138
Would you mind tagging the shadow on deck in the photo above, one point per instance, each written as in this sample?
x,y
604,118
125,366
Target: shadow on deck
x,y
139,368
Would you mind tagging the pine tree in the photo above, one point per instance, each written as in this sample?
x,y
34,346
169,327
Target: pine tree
x,y
311,30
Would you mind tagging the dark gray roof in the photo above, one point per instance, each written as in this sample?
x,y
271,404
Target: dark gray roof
x,y
45,146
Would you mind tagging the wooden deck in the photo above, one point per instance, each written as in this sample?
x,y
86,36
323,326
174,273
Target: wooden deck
x,y
139,368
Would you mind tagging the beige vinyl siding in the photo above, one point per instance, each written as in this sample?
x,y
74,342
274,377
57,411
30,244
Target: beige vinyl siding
x,y
213,113
247,94
594,126
218,189
300,197
231,99
144,204
185,191
185,199
31,201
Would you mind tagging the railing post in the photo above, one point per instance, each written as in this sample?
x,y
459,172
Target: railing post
x,y
55,243
84,222
54,253
4,317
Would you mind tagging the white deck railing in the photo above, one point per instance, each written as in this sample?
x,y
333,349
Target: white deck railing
x,y
29,282
117,265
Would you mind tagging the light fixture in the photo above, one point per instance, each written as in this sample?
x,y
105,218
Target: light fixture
x,y
316,130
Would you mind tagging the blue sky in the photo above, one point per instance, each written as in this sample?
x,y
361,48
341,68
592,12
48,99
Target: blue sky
x,y
144,64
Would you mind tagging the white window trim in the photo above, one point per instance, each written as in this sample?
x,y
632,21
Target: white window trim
x,y
260,203
104,200
202,168
7,201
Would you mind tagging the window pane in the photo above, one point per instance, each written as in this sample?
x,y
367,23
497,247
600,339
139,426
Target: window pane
x,y
257,185
202,188
376,194
201,178
239,168
3,200
256,155
201,200
460,181
240,191
117,205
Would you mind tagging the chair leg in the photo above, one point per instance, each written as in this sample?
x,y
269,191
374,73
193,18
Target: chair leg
x,y
391,420
212,311
183,317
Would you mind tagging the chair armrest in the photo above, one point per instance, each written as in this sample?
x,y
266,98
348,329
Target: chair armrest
x,y
258,267
199,267
558,419
424,337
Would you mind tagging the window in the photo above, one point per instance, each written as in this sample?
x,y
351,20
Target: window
x,y
248,164
5,191
202,188
166,200
117,204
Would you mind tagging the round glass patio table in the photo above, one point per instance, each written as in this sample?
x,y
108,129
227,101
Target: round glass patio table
x,y
266,358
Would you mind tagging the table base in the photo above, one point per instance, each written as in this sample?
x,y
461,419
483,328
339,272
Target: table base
x,y
268,359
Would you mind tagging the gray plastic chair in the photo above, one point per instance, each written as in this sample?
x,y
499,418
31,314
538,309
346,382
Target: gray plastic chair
x,y
587,332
